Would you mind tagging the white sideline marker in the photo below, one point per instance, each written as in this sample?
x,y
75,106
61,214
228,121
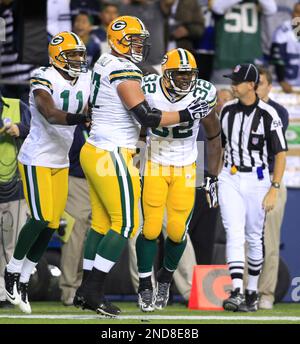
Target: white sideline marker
x,y
152,317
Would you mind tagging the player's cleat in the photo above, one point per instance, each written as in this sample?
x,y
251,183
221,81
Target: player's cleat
x,y
234,302
162,295
79,300
108,309
12,287
24,303
91,302
146,300
251,302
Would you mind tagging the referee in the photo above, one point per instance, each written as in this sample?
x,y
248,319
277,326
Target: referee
x,y
251,132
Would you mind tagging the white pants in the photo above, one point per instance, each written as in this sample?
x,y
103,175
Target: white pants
x,y
241,196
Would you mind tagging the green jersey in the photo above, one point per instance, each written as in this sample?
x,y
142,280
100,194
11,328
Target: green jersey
x,y
238,35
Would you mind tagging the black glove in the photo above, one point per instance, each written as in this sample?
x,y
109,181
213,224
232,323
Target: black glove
x,y
210,185
198,109
77,118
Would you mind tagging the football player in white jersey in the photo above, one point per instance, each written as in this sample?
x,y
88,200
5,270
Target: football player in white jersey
x,y
119,109
170,172
58,99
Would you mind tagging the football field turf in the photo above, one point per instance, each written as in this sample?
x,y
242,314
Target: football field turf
x,y
56,313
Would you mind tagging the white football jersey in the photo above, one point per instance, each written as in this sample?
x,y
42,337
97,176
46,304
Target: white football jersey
x,y
176,144
288,50
48,144
112,124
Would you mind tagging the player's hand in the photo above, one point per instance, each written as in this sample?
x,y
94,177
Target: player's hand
x,y
210,185
198,109
270,200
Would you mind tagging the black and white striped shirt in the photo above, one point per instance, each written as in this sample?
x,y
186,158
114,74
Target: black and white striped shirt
x,y
250,133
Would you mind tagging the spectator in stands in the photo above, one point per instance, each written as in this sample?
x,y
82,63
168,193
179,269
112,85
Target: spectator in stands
x,y
58,17
205,46
78,206
185,23
285,52
82,27
14,127
108,13
237,34
150,13
15,75
270,23
268,277
91,7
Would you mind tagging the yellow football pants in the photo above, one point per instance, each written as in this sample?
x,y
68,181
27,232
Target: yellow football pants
x,y
114,187
45,191
172,188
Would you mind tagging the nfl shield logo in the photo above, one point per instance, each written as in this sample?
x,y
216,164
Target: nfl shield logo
x,y
254,141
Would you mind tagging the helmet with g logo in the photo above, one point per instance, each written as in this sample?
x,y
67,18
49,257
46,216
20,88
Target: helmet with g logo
x,y
179,70
127,36
62,49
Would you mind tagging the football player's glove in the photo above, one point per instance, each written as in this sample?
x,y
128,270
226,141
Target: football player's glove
x,y
198,109
210,185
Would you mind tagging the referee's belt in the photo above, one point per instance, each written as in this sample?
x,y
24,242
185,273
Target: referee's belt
x,y
244,168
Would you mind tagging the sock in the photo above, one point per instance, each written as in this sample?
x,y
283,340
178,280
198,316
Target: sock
x,y
254,269
164,275
173,253
145,283
92,242
40,245
145,252
103,264
27,237
15,265
85,275
94,283
237,273
27,269
108,252
111,246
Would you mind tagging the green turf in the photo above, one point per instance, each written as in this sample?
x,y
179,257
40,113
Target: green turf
x,y
129,309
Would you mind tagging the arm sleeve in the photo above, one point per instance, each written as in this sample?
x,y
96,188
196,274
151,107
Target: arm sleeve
x,y
126,72
276,139
39,80
220,7
24,125
284,115
268,7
